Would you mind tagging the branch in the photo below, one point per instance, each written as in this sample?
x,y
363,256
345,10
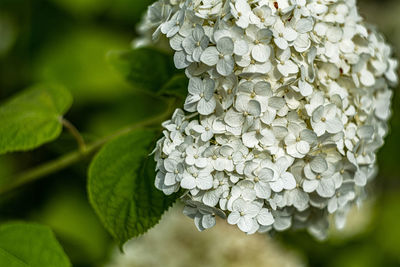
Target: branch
x,y
69,159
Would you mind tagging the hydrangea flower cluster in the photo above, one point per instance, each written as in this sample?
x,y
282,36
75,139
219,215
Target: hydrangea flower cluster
x,y
288,104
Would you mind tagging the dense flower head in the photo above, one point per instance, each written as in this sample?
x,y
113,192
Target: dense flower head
x,y
287,105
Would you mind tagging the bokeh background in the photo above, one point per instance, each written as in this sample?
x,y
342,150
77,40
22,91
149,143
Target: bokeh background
x,y
66,42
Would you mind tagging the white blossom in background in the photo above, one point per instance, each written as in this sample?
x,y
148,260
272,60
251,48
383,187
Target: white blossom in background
x,y
287,106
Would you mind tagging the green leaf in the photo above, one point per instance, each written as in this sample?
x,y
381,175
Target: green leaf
x,y
121,186
33,118
177,87
145,68
30,245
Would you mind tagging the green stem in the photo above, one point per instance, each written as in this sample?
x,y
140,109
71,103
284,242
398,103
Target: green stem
x,y
75,133
72,158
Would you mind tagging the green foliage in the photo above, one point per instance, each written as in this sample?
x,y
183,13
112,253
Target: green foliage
x,y
76,225
33,117
388,231
145,68
82,7
177,87
132,108
30,245
126,10
121,186
8,165
77,60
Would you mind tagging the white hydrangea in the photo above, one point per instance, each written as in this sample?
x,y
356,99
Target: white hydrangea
x,y
287,105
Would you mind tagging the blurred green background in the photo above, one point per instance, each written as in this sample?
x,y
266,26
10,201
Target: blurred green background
x,y
66,42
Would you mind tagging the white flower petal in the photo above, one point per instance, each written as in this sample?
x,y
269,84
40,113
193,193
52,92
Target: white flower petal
x,y
310,186
210,56
225,65
288,180
211,198
206,107
188,182
180,60
304,25
303,147
326,188
241,48
225,46
208,221
281,43
204,182
233,118
262,191
261,52
245,224
265,218
334,126
319,165
233,218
